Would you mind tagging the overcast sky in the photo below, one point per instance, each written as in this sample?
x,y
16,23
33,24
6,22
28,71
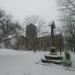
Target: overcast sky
x,y
22,8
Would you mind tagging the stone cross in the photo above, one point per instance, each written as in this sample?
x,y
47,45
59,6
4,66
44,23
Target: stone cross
x,y
52,32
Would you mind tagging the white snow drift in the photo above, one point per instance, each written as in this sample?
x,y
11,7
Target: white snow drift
x,y
28,63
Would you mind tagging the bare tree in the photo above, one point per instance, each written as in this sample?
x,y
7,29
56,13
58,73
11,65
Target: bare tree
x,y
67,8
8,27
37,21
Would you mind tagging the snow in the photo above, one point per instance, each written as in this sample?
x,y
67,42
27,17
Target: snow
x,y
54,55
14,62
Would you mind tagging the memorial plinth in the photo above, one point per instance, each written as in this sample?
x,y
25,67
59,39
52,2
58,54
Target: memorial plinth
x,y
53,57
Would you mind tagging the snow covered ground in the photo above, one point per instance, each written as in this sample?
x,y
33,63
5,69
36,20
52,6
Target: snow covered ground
x,y
28,63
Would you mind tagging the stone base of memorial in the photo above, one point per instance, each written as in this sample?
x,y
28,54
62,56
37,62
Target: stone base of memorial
x,y
53,57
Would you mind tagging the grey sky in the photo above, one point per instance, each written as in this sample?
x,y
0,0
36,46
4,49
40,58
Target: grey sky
x,y
22,8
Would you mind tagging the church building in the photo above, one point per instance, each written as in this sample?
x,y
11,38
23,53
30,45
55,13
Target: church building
x,y
32,41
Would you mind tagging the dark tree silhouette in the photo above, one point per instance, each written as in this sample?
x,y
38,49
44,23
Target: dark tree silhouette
x,y
67,9
8,27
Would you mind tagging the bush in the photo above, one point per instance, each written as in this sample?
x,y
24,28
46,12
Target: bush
x,y
67,61
67,56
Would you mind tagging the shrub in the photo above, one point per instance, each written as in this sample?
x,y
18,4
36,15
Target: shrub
x,y
67,61
67,56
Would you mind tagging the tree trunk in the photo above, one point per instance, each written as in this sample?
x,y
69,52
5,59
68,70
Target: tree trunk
x,y
74,45
34,45
60,51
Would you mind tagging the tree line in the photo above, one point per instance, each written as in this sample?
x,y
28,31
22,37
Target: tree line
x,y
67,18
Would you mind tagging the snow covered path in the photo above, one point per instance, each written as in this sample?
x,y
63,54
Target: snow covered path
x,y
26,63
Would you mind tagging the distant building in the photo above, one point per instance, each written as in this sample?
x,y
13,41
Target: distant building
x,y
40,43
